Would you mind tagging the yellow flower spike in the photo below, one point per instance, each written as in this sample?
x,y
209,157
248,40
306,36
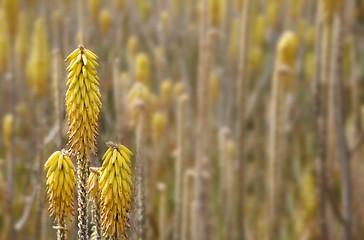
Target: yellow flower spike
x,y
302,25
11,14
60,184
287,51
217,9
295,9
330,8
144,8
233,38
166,91
310,36
83,102
142,68
132,47
115,192
165,20
272,12
8,122
21,39
159,56
38,63
139,92
4,48
214,88
179,89
159,121
105,21
260,25
94,7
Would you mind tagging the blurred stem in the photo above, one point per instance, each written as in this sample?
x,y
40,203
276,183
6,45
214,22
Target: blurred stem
x,y
203,226
139,216
187,206
12,83
57,90
275,142
162,223
137,23
181,121
40,176
65,25
242,86
10,176
320,123
225,184
344,154
81,20
118,93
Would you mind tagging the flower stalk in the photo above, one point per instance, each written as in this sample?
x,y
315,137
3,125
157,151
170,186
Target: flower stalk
x,y
83,107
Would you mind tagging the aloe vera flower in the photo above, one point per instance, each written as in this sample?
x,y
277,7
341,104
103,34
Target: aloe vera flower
x,y
61,182
115,186
82,102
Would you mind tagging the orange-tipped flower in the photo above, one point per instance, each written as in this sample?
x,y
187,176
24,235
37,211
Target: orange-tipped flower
x,y
115,186
82,101
61,182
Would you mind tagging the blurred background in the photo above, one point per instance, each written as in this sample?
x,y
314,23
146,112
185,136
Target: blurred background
x,y
253,112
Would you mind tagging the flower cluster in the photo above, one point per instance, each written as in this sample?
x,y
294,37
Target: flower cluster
x,y
115,186
82,101
61,182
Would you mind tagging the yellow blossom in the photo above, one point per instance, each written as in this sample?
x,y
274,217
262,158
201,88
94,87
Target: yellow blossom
x,y
82,101
115,186
60,184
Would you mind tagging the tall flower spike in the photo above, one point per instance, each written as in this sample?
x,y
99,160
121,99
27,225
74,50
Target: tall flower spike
x,y
11,13
142,68
38,64
4,46
139,92
82,102
61,182
115,186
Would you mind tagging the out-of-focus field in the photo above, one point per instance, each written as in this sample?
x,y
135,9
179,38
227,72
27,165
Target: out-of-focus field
x,y
247,116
